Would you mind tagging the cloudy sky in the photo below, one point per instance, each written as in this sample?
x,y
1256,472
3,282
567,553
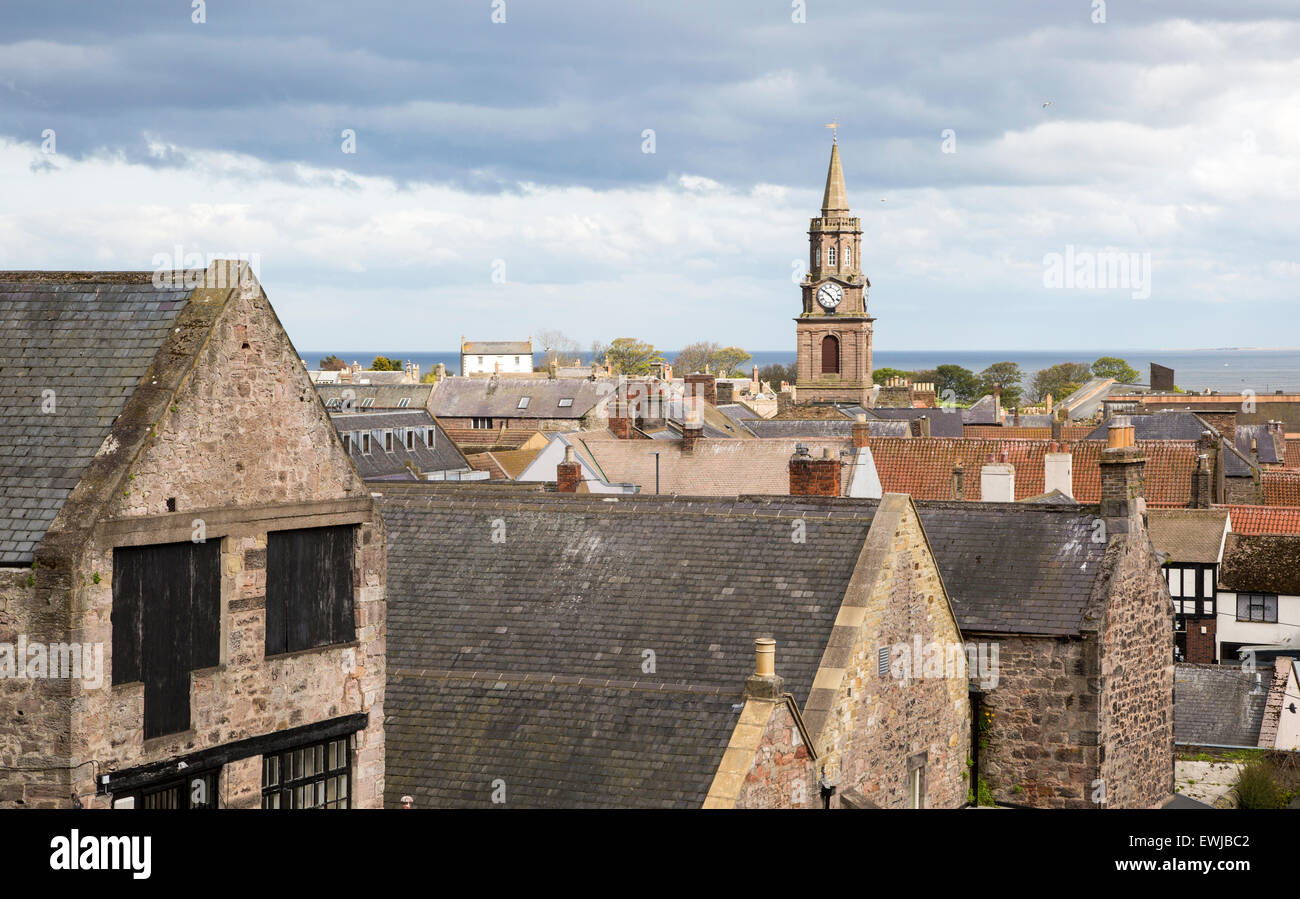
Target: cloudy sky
x,y
500,182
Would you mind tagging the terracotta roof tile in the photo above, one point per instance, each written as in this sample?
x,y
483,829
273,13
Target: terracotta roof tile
x,y
1280,488
923,466
1252,520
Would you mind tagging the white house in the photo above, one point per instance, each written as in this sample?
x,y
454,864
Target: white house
x,y
486,357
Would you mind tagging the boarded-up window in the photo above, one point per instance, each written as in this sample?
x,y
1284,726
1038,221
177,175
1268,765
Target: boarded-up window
x,y
166,623
830,355
309,588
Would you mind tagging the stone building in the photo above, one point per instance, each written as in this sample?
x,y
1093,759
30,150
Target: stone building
x,y
833,330
602,653
192,593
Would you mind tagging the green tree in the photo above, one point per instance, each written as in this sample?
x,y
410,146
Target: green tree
x,y
961,381
881,375
429,377
1059,380
332,363
629,356
727,361
383,363
1009,375
1114,367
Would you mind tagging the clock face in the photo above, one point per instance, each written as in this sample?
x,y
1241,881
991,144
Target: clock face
x,y
829,295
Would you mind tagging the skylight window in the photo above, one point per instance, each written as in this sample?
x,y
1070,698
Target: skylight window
x,y
523,402
566,402
404,402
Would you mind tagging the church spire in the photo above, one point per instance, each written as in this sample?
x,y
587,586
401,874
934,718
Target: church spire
x,y
836,199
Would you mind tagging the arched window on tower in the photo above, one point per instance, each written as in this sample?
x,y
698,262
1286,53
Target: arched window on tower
x,y
830,355
848,255
830,256
817,258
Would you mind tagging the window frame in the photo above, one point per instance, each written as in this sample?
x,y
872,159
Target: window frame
x,y
285,792
1263,602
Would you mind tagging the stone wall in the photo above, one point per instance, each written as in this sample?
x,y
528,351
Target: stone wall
x,y
243,448
35,736
1039,743
782,774
1136,704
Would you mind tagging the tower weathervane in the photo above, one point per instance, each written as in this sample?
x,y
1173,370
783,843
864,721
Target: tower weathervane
x,y
835,131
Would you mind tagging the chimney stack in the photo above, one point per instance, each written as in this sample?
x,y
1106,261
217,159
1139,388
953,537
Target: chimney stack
x,y
764,683
1057,427
959,482
920,426
726,392
568,474
1058,470
861,432
814,477
692,426
702,384
998,481
1201,483
1015,417
1123,469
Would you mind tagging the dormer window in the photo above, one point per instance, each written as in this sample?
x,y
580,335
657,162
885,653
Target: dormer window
x,y
388,441
347,443
410,439
365,444
428,438
830,256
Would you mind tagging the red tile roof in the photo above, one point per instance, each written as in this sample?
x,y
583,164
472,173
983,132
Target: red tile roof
x,y
923,466
1280,487
1292,456
1252,520
1068,432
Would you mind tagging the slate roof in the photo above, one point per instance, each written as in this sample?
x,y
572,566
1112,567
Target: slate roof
x,y
524,660
942,422
922,466
1264,519
1264,444
823,428
498,397
382,396
1261,563
497,348
379,464
1160,426
1188,535
1217,704
1012,568
89,337
980,412
738,412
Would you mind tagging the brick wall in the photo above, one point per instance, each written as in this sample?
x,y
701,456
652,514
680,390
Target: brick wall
x,y
1201,648
814,476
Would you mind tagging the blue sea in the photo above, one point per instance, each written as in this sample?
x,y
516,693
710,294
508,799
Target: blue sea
x,y
1225,370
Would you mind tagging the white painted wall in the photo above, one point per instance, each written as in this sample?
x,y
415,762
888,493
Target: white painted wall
x,y
1286,632
487,364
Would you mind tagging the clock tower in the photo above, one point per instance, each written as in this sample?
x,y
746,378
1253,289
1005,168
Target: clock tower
x,y
834,330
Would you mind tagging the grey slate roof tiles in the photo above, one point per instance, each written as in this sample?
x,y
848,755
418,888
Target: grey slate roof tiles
x,y
1218,704
1013,568
581,589
90,342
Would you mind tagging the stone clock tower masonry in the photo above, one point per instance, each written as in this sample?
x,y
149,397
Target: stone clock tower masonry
x,y
834,330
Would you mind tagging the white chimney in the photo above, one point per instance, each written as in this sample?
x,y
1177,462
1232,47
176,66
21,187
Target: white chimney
x,y
1058,470
998,481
